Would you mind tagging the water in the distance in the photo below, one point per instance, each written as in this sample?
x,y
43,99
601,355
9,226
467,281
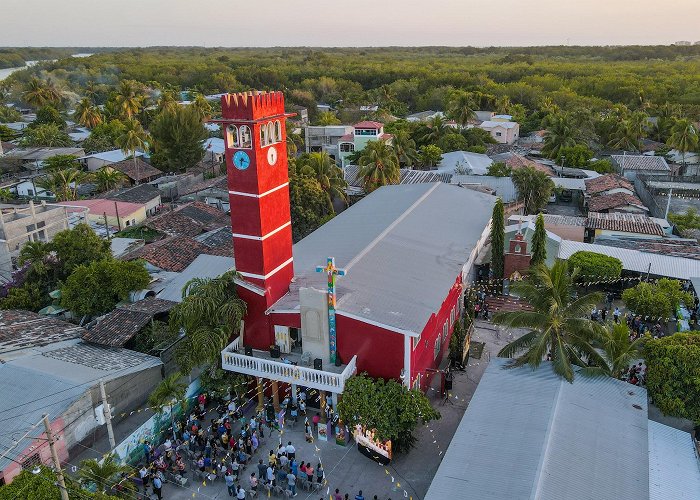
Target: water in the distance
x,y
5,72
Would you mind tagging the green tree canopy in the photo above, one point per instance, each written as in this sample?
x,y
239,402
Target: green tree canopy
x,y
617,351
78,246
534,188
539,243
321,167
575,156
379,166
594,266
429,156
61,162
210,313
47,135
688,220
497,239
499,169
388,407
657,300
557,325
44,486
48,115
97,287
178,134
673,369
308,205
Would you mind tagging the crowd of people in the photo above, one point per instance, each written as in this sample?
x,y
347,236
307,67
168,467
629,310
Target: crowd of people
x,y
221,448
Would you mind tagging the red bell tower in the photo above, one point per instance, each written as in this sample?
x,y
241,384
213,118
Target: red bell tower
x,y
258,183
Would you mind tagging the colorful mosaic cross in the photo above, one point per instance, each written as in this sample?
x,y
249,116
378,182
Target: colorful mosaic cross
x,y
331,271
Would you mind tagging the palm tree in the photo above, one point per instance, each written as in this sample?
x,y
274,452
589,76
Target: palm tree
x,y
129,98
379,166
625,137
684,137
63,183
105,474
294,143
33,251
405,148
108,178
209,313
167,101
87,114
461,108
168,393
202,106
560,134
557,324
132,139
502,105
616,350
38,93
438,129
322,167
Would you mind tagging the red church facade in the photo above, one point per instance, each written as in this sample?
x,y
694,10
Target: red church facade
x,y
406,249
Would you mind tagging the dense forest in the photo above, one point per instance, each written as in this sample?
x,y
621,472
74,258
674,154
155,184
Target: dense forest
x,y
404,80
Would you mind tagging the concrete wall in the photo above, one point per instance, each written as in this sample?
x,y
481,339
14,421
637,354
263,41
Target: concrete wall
x,y
314,323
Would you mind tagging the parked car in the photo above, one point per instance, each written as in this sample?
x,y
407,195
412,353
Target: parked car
x,y
552,198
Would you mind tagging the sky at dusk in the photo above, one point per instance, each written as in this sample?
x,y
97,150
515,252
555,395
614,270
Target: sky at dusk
x,y
262,23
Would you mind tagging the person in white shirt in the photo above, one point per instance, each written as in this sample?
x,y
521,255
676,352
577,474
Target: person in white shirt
x,y
241,493
291,451
283,460
281,449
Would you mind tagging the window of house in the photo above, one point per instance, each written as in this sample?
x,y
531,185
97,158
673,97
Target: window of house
x,y
365,131
40,224
31,461
347,147
245,137
30,192
30,228
438,346
445,328
128,223
498,134
41,235
232,136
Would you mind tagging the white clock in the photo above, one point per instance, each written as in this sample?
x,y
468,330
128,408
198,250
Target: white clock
x,y
272,155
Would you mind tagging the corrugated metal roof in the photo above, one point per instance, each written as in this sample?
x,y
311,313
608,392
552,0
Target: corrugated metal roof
x,y
503,186
472,163
634,260
674,470
567,183
403,247
204,266
528,434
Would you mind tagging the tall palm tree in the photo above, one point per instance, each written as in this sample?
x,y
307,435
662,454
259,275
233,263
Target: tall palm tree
x,y
105,474
210,313
560,134
625,136
129,97
322,167
39,93
167,101
684,137
617,352
87,114
132,139
64,183
379,166
557,324
461,107
108,178
168,393
405,148
202,106
502,105
438,129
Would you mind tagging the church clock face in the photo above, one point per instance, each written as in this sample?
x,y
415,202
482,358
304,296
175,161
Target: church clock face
x,y
272,155
241,160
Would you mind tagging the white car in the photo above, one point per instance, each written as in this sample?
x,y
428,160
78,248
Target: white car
x,y
552,198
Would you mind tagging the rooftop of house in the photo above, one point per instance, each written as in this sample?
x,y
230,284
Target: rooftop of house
x,y
121,325
627,223
120,246
408,176
672,247
502,187
214,145
175,253
603,202
190,219
472,163
143,193
213,183
607,182
641,162
516,161
24,329
40,154
112,156
368,125
204,266
220,237
111,208
589,439
388,242
495,124
137,170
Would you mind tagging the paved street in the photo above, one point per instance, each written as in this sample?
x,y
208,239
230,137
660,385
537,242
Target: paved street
x,y
349,471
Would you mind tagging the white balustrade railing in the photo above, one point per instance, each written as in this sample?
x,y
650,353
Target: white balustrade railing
x,y
233,361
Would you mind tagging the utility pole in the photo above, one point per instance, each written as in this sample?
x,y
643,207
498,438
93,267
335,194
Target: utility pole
x,y
668,202
56,461
104,214
108,415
